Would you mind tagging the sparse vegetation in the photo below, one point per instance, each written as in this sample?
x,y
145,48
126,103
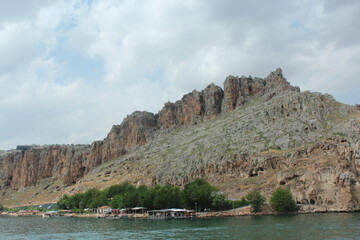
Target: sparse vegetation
x,y
2,207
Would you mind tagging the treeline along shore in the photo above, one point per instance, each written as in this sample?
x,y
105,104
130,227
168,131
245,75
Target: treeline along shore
x,y
199,196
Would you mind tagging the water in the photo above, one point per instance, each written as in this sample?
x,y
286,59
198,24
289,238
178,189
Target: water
x,y
333,226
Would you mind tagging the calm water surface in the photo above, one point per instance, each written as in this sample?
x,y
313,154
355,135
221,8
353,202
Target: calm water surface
x,y
312,226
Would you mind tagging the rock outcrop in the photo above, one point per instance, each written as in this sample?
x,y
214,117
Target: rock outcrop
x,y
68,163
256,133
24,168
213,101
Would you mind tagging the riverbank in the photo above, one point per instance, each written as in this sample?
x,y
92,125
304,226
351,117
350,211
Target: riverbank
x,y
243,211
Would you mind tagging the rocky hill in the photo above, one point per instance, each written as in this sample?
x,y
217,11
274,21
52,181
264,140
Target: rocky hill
x,y
252,134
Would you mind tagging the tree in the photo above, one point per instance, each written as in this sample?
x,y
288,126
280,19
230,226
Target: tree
x,y
199,194
2,207
219,202
147,196
118,189
256,200
128,197
167,197
97,200
117,201
63,203
282,200
92,198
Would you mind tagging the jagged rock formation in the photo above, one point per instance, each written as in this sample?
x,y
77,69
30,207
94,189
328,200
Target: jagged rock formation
x,y
256,133
24,168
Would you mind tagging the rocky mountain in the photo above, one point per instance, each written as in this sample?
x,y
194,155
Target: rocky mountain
x,y
252,134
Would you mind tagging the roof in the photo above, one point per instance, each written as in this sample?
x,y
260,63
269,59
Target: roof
x,y
104,207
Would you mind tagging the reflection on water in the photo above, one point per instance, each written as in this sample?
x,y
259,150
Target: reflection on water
x,y
312,226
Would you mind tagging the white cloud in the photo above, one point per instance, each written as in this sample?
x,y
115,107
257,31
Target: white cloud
x,y
154,51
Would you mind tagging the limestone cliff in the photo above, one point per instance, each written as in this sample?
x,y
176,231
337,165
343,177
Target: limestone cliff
x,y
69,163
253,133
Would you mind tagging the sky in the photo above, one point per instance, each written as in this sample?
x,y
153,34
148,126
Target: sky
x,y
69,70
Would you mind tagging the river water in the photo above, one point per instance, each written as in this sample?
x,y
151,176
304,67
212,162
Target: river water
x,y
310,226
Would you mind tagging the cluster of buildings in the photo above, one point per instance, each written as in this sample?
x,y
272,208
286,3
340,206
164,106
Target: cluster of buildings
x,y
171,213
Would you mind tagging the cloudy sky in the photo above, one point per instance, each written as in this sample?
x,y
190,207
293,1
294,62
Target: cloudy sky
x,y
69,70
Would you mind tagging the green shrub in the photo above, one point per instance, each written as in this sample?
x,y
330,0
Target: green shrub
x,y
282,201
256,200
2,208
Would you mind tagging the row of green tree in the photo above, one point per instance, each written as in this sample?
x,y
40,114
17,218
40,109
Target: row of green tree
x,y
198,195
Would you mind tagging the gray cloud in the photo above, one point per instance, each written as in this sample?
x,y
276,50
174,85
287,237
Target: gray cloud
x,y
157,51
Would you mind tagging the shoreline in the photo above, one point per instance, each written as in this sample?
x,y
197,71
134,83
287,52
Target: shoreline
x,y
244,211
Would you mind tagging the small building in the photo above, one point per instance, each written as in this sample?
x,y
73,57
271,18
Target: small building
x,y
172,213
138,210
104,210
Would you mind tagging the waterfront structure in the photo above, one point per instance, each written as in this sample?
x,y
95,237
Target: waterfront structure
x,y
138,210
104,209
172,213
50,214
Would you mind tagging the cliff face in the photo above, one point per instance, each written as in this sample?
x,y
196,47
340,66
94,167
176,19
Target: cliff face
x,y
26,168
322,177
213,101
69,163
253,133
